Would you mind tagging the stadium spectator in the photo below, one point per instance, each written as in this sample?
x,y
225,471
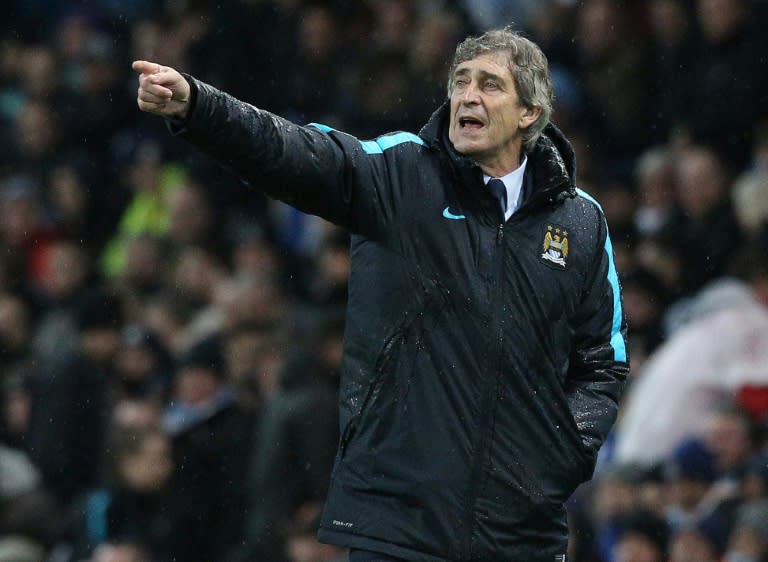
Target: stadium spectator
x,y
210,434
704,230
690,472
749,538
294,448
133,505
725,91
71,402
613,69
701,542
655,179
643,537
28,513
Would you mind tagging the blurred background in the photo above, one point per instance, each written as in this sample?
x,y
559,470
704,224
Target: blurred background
x,y
170,339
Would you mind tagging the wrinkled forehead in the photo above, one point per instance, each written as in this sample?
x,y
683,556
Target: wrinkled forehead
x,y
498,58
492,64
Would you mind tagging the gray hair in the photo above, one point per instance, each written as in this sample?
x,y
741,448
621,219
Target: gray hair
x,y
528,66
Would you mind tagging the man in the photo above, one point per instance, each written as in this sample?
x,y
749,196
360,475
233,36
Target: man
x,y
210,431
485,344
71,397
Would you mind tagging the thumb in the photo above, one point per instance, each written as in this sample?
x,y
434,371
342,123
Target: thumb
x,y
146,67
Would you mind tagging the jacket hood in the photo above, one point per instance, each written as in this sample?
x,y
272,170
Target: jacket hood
x,y
553,157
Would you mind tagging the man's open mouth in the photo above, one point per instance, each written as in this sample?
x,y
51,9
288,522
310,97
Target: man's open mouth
x,y
470,123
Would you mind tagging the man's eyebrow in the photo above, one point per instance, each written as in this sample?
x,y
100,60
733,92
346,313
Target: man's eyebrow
x,y
484,75
491,76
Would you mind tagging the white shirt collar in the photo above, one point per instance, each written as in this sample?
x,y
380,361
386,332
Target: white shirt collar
x,y
513,181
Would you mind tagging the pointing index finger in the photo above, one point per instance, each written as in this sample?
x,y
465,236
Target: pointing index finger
x,y
146,67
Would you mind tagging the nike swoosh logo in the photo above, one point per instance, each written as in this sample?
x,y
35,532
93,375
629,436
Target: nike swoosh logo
x,y
449,215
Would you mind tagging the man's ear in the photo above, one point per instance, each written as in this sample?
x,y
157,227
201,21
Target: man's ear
x,y
529,117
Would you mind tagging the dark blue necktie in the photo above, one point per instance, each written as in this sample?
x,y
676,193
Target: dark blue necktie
x,y
500,192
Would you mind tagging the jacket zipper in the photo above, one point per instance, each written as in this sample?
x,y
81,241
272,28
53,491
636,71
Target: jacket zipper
x,y
489,402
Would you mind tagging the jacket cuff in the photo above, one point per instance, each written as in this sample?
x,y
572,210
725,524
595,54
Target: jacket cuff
x,y
178,125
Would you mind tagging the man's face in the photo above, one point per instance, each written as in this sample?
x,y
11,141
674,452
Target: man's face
x,y
486,115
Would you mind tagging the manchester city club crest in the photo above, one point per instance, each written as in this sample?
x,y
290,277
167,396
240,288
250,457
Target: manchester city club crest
x,y
556,245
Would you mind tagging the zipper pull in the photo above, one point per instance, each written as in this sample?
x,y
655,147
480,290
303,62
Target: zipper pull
x,y
500,234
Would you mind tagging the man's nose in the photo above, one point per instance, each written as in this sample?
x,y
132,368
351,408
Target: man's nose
x,y
470,94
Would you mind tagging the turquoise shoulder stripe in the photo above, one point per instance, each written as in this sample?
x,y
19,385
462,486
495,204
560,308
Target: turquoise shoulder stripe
x,y
388,141
588,197
381,144
371,147
323,128
617,340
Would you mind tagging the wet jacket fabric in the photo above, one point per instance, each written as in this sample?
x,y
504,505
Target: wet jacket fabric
x,y
483,359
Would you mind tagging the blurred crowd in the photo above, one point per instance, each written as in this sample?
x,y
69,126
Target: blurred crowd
x,y
170,339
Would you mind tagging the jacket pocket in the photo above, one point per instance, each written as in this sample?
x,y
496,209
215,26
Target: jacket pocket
x,y
585,457
397,356
371,393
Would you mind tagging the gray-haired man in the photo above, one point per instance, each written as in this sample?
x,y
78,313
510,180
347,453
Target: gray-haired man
x,y
485,347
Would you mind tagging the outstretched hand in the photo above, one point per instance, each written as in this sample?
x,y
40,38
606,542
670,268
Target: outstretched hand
x,y
162,90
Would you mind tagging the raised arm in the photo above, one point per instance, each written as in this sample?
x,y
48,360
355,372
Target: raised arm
x,y
315,169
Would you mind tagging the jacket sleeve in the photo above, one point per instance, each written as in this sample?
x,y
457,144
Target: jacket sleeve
x,y
316,169
599,364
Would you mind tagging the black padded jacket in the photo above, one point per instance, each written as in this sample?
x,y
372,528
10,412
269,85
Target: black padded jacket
x,y
483,358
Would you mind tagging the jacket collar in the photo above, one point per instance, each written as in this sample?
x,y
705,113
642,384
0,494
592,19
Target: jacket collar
x,y
552,161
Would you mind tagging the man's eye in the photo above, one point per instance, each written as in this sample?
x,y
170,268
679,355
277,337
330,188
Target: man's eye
x,y
491,86
461,83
